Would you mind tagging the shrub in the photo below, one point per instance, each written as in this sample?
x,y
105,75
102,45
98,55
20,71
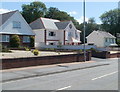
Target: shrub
x,y
35,52
27,48
80,51
15,41
59,45
32,40
118,42
92,49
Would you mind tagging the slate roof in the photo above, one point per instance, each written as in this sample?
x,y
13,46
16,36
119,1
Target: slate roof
x,y
49,23
106,34
37,24
45,23
62,25
4,17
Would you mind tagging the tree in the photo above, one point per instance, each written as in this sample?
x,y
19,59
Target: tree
x,y
33,11
15,41
111,21
55,13
90,27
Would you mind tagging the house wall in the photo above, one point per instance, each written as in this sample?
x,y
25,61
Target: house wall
x,y
72,30
96,38
54,39
21,41
39,36
7,27
109,41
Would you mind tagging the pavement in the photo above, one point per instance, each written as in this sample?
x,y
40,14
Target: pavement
x,y
90,75
28,72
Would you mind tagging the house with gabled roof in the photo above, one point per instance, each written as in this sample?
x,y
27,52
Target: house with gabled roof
x,y
53,32
101,39
13,23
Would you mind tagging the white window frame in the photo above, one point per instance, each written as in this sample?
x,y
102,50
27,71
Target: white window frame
x,y
54,33
26,39
16,24
7,38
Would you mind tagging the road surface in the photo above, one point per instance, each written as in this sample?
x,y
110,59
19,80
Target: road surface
x,y
96,78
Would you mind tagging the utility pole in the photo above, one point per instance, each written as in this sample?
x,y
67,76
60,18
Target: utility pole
x,y
84,30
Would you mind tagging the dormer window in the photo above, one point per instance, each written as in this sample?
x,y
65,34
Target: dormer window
x,y
16,24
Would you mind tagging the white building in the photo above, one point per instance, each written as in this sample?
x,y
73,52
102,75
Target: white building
x,y
12,23
101,39
53,32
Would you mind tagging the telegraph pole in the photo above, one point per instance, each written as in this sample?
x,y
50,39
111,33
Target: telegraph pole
x,y
84,30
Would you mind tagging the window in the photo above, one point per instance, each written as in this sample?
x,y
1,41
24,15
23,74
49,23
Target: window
x,y
105,39
16,24
51,43
76,34
52,34
70,26
26,39
4,38
113,40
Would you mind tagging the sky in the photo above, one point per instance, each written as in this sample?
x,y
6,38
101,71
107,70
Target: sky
x,y
75,9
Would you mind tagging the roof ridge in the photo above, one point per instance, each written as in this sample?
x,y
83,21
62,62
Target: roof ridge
x,y
9,12
49,18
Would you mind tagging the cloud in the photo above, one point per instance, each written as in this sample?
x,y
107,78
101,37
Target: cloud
x,y
4,11
80,20
73,13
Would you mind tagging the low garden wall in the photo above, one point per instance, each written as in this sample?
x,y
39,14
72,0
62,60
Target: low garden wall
x,y
104,54
43,60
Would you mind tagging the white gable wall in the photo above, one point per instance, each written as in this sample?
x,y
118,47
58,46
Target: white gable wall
x,y
96,38
39,37
72,30
7,27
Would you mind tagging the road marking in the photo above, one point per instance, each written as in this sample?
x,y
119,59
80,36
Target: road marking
x,y
61,89
104,75
64,88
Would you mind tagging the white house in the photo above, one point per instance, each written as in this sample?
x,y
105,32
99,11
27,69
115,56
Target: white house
x,y
101,39
12,23
53,32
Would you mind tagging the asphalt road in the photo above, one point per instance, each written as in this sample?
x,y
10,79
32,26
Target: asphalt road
x,y
97,78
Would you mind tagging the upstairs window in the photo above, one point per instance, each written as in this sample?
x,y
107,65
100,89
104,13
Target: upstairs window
x,y
16,24
70,26
52,34
26,39
4,38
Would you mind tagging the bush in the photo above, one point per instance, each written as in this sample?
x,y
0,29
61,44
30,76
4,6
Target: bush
x,y
79,51
15,41
32,40
35,52
92,49
118,42
27,48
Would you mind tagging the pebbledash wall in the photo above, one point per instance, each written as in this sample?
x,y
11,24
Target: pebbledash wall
x,y
43,60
